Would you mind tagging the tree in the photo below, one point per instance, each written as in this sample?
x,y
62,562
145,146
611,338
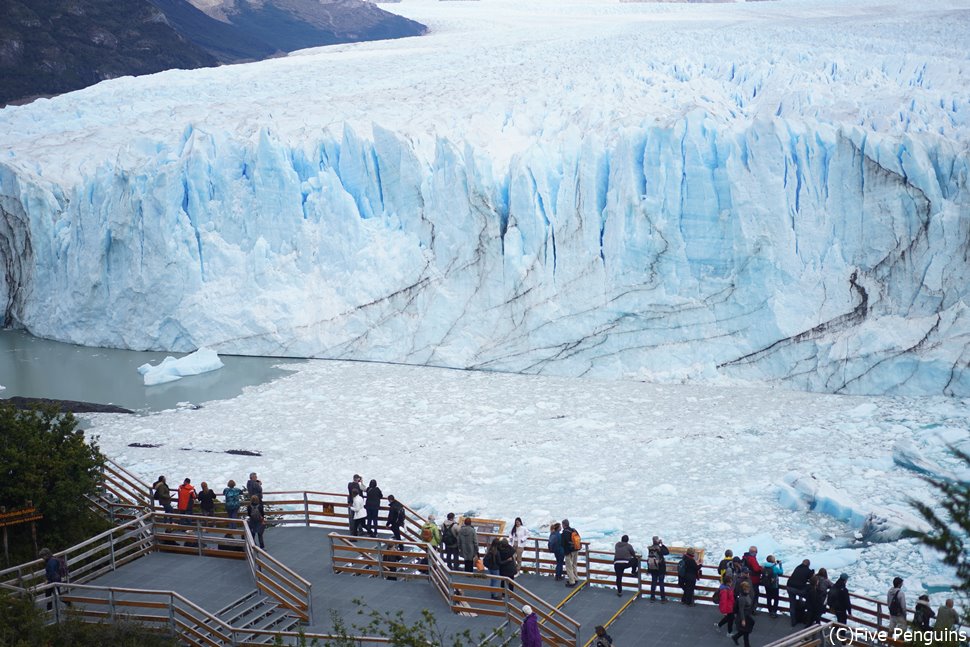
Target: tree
x,y
46,461
950,531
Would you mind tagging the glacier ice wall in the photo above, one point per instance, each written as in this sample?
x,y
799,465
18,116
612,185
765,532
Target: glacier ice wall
x,y
825,257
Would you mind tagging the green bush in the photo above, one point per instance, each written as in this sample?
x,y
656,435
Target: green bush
x,y
47,462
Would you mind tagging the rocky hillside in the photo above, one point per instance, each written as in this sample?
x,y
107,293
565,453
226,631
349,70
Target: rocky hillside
x,y
52,46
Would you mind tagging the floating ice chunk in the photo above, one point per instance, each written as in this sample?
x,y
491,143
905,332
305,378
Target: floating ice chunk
x,y
906,455
2,387
171,369
821,497
834,560
802,491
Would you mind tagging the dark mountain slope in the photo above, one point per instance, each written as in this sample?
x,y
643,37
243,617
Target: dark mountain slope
x,y
53,46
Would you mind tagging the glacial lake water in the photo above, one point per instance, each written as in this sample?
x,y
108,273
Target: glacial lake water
x,y
40,368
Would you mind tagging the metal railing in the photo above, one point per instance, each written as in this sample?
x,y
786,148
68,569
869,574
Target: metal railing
x,y
465,593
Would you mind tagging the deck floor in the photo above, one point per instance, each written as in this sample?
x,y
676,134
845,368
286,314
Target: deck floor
x,y
214,583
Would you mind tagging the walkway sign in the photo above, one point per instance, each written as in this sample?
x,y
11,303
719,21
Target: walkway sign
x,y
491,526
16,517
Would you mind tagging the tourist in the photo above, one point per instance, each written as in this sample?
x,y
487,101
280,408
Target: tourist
x,y
55,569
624,557
923,613
657,567
725,602
359,514
725,564
744,614
555,547
687,572
824,583
518,538
186,496
207,500
750,559
571,544
814,601
603,639
163,494
430,532
946,619
254,487
468,545
896,601
771,573
530,628
798,590
491,563
838,599
256,519
449,539
233,498
372,503
354,487
395,516
506,562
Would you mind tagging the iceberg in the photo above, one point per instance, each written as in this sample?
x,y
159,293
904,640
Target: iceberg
x,y
636,198
171,369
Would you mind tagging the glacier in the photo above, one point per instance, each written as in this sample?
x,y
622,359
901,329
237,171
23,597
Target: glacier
x,y
754,192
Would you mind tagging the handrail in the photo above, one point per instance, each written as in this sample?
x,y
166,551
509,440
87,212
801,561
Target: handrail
x,y
455,587
91,557
299,602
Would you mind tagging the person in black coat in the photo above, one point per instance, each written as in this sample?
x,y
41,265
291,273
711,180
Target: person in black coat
x,y
798,590
838,599
688,575
506,562
372,505
814,602
395,516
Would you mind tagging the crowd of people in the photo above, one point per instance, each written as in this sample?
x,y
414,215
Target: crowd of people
x,y
746,583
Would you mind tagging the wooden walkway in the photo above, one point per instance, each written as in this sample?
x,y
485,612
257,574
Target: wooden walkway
x,y
213,583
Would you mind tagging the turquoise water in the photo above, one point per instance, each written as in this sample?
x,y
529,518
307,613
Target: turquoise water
x,y
40,368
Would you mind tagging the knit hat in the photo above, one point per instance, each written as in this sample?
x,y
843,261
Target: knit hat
x,y
527,610
844,576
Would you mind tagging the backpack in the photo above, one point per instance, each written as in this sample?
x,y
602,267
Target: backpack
x,y
653,561
574,541
62,570
769,578
895,608
448,536
604,641
427,533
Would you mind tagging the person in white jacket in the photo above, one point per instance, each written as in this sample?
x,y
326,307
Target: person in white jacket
x,y
360,514
518,537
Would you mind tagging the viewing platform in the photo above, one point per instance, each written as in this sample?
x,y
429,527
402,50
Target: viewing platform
x,y
206,580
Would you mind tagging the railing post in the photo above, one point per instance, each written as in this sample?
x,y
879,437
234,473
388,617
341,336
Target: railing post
x,y
171,613
198,535
878,614
589,575
57,606
333,563
111,549
306,509
640,580
380,561
536,540
309,602
111,604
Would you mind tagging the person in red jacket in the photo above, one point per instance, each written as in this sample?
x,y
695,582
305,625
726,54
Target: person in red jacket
x,y
725,604
186,497
750,559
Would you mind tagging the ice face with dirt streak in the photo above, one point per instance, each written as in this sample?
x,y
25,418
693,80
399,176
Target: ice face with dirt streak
x,y
718,192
